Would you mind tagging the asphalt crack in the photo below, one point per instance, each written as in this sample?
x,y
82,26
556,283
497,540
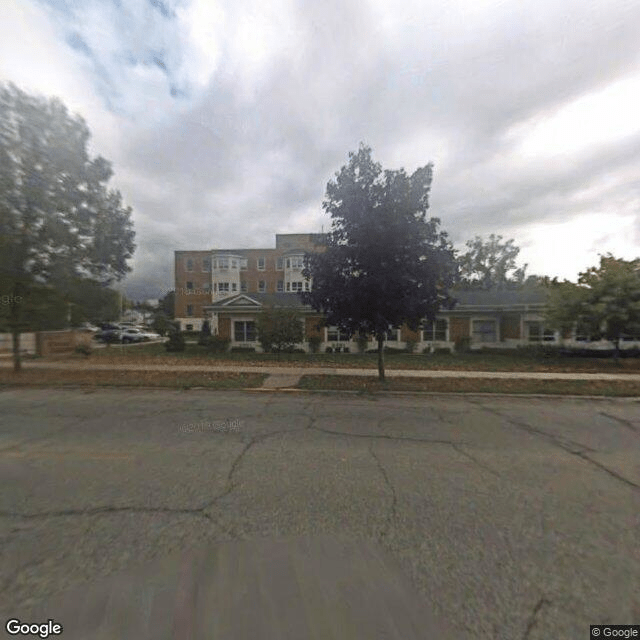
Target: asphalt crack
x,y
533,618
382,436
480,464
392,518
567,445
622,421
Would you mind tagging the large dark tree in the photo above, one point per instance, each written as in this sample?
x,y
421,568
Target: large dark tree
x,y
59,221
385,262
491,263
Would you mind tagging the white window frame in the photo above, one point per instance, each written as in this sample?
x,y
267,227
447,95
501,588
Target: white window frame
x,y
280,264
244,264
206,262
340,336
189,264
261,261
432,331
262,286
243,286
485,319
223,287
244,332
280,286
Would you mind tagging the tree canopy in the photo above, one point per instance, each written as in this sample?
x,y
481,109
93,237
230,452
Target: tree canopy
x,y
385,263
59,221
491,263
604,303
279,330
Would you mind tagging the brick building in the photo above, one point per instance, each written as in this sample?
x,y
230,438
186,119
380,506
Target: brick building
x,y
230,287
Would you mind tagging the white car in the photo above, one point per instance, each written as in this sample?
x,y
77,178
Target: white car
x,y
131,334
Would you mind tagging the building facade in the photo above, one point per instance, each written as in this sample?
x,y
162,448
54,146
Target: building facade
x,y
231,287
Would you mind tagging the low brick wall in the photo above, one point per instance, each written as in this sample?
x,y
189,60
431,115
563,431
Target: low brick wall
x,y
49,343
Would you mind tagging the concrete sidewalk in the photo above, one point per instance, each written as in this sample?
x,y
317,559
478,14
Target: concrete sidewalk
x,y
301,371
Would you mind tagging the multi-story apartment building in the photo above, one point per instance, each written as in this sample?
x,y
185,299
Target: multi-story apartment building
x,y
206,277
230,287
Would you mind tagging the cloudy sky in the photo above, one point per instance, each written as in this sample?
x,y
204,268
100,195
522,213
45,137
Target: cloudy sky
x,y
225,120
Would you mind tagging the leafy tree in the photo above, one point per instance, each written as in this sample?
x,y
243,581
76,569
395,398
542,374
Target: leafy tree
x,y
161,324
279,329
490,263
385,263
605,302
167,304
58,219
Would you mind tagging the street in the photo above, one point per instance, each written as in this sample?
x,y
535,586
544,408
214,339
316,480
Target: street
x,y
513,518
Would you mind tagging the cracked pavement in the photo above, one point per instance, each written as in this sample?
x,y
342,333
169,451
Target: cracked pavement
x,y
512,517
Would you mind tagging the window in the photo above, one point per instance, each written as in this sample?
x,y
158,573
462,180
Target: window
x,y
539,333
189,309
244,331
234,286
244,264
223,287
261,262
189,284
189,264
262,286
189,327
206,286
336,335
296,262
435,331
392,334
484,331
243,286
223,263
206,264
234,263
294,286
280,285
306,285
279,264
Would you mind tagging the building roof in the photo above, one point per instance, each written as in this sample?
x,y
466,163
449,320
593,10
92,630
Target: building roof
x,y
499,297
246,301
466,298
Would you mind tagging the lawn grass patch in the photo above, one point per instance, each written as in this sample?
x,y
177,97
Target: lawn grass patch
x,y
169,379
620,388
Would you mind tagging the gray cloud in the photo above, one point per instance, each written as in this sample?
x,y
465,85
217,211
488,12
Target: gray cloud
x,y
220,165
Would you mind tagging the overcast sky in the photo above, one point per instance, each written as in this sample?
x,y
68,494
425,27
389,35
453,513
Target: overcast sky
x,y
225,120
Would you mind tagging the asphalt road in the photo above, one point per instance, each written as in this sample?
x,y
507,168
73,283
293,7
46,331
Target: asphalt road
x,y
513,518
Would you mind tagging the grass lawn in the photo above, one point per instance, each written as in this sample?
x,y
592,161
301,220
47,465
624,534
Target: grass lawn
x,y
475,361
173,380
449,385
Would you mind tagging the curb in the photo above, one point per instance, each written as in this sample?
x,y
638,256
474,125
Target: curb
x,y
540,396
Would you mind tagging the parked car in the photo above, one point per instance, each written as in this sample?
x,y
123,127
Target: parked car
x,y
132,334
87,326
109,332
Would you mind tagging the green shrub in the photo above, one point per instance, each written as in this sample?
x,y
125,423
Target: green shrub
x,y
243,349
314,343
84,349
215,344
175,342
411,345
463,345
363,343
328,350
205,333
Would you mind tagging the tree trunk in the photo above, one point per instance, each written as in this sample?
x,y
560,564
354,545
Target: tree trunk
x,y
616,350
17,363
381,358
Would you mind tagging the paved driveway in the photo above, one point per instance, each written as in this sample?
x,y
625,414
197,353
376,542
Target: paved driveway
x,y
512,518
